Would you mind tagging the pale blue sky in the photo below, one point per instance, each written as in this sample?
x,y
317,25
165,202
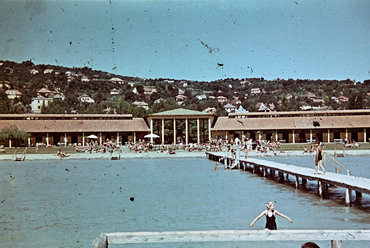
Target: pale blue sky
x,y
307,39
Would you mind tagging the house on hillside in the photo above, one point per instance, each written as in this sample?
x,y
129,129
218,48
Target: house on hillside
x,y
114,91
85,98
241,110
210,111
117,80
148,90
201,97
45,92
235,101
181,98
229,108
343,99
85,79
221,99
255,91
38,102
13,94
34,71
48,71
141,104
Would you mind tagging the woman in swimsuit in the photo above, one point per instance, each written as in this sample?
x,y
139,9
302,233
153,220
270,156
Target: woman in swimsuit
x,y
270,217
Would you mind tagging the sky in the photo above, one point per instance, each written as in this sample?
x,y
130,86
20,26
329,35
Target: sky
x,y
199,40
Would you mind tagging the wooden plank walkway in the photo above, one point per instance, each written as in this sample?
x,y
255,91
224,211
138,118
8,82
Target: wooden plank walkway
x,y
335,236
358,184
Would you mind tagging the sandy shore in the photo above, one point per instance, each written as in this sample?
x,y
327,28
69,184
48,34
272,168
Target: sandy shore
x,y
179,154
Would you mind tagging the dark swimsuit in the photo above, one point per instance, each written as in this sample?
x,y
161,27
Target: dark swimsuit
x,y
270,222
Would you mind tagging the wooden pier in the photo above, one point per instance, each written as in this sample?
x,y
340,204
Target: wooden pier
x,y
334,236
301,174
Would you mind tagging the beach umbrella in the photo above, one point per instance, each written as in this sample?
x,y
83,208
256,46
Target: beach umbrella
x,y
92,136
151,135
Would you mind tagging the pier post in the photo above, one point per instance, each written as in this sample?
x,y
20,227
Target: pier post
x,y
287,176
297,182
281,177
304,181
336,244
348,197
264,171
358,195
320,188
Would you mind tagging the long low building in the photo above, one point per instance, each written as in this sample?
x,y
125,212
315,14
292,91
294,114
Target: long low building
x,y
297,127
74,129
187,126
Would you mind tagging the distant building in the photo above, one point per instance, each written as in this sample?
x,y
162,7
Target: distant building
x,y
38,102
241,110
116,80
229,108
201,97
255,91
114,91
221,99
210,111
141,104
86,98
13,94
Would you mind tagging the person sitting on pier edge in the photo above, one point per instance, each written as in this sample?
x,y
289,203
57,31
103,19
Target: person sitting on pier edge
x,y
318,162
270,217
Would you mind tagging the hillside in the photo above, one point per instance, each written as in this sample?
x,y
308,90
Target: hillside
x,y
84,90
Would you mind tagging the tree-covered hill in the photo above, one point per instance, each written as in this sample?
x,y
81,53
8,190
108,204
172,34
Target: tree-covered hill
x,y
119,94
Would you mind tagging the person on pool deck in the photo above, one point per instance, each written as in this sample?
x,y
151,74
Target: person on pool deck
x,y
270,213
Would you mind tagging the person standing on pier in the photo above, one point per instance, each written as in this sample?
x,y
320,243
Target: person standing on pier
x,y
270,213
318,161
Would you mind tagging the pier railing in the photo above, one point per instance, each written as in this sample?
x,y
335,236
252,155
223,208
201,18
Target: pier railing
x,y
334,236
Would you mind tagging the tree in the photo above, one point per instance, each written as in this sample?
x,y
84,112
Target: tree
x,y
53,108
356,101
14,134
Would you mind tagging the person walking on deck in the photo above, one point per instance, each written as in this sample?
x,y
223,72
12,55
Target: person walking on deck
x,y
270,213
318,161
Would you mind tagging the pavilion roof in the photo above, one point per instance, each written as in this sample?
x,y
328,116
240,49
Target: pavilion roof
x,y
180,112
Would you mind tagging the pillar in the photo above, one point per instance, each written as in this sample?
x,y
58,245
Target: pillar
x,y
346,133
10,143
151,131
198,132
163,131
47,139
209,129
83,139
293,136
135,137
100,139
186,132
328,135
65,139
117,142
311,135
29,141
174,131
364,134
